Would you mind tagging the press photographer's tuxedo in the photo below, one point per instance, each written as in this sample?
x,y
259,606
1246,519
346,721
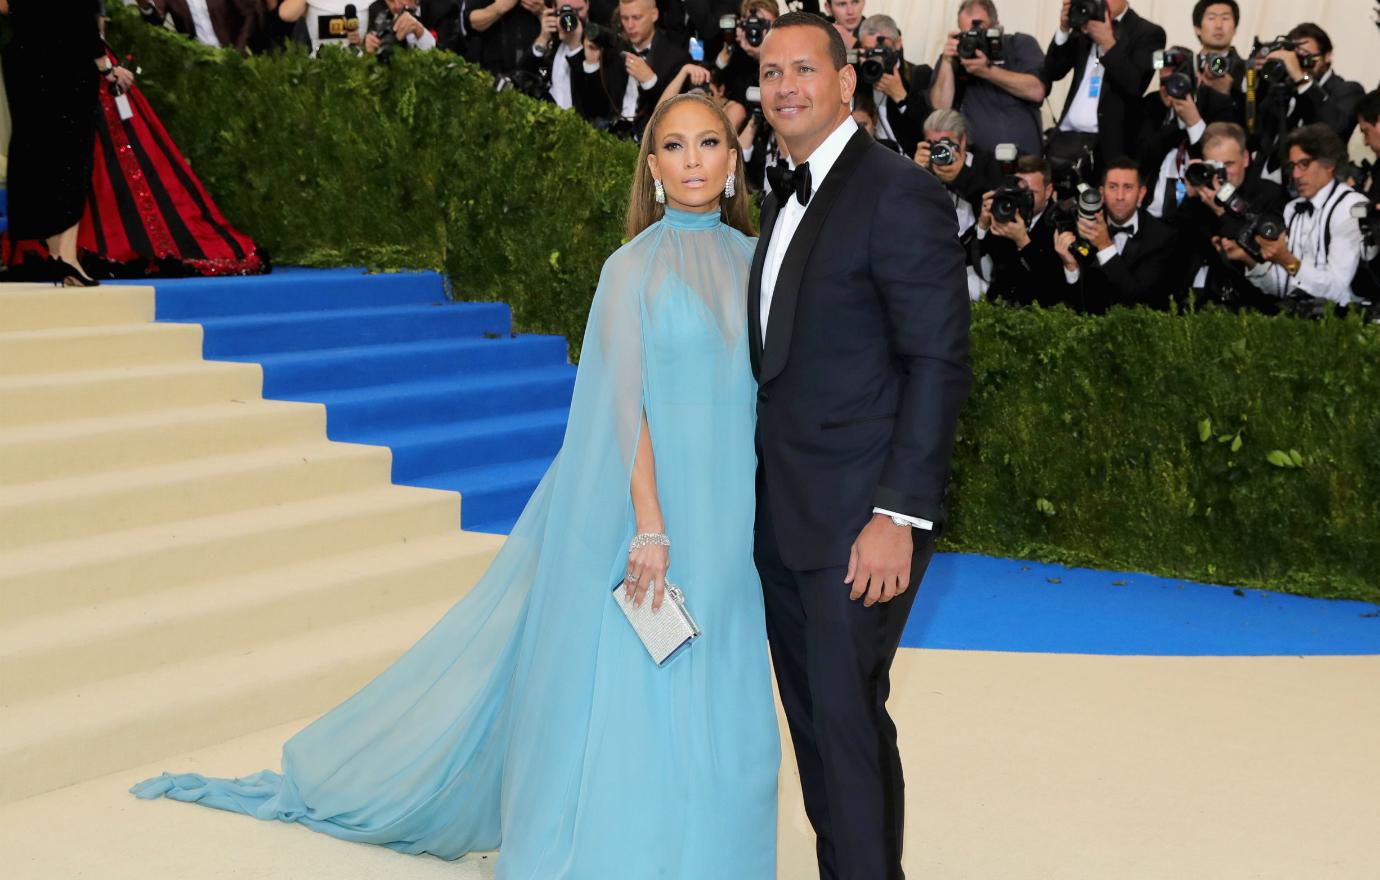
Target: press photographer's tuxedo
x,y
861,379
599,95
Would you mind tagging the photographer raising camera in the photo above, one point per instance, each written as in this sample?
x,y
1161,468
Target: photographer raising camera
x,y
559,49
890,89
993,78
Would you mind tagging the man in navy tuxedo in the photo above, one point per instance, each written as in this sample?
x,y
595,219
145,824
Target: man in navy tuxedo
x,y
858,314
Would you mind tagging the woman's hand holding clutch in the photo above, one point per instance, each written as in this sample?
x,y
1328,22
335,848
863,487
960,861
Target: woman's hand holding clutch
x,y
649,558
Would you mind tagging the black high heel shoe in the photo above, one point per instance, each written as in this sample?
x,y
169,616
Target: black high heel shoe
x,y
67,275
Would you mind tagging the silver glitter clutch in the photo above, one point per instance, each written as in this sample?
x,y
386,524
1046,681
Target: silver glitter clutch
x,y
665,633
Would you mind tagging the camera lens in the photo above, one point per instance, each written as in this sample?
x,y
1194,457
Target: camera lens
x,y
1089,202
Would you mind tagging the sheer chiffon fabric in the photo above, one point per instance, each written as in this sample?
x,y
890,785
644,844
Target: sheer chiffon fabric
x,y
530,718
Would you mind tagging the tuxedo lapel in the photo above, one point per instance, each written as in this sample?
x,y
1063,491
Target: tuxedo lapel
x,y
754,298
781,319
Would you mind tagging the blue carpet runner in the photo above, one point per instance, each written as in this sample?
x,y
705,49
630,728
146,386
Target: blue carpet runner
x,y
467,406
463,403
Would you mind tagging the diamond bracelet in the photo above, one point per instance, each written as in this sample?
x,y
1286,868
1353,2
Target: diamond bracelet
x,y
649,539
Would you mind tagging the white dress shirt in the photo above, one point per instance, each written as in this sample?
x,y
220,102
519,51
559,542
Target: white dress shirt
x,y
1327,266
788,217
631,92
201,22
560,72
1172,170
1082,115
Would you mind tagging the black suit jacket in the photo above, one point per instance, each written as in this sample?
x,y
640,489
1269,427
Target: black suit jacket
x,y
907,120
1333,103
600,95
1126,74
235,22
1030,275
1142,274
865,367
441,17
1195,226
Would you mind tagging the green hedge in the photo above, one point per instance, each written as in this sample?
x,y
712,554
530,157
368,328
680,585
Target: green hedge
x,y
1235,449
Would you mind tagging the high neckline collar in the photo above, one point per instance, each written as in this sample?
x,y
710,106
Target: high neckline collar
x,y
691,220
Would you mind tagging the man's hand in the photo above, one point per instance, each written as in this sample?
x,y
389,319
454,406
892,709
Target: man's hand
x,y
984,220
879,563
638,68
1291,62
922,154
1013,230
949,173
536,7
1101,32
1232,251
1064,16
951,46
123,77
892,85
1277,251
1095,232
978,66
371,43
549,27
1187,110
1223,83
406,25
1063,244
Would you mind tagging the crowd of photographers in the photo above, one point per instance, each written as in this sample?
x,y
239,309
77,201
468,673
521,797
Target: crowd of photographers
x,y
1228,182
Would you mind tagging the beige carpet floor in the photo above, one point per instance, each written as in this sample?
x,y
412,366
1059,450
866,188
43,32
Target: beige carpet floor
x,y
1019,767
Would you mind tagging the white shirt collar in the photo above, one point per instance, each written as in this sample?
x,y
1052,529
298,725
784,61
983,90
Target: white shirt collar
x,y
827,153
1320,197
1133,224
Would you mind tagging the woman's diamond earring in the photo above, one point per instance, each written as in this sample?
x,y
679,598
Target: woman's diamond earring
x,y
731,186
660,192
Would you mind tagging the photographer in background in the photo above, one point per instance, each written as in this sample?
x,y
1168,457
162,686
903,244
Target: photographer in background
x,y
997,87
230,24
739,57
1110,59
847,16
966,174
1223,197
1175,118
1318,252
1317,93
623,77
672,17
1368,119
1016,236
501,32
327,22
404,24
559,50
890,88
1133,256
1219,67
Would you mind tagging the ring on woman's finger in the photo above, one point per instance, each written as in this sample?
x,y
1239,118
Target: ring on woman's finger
x,y
631,579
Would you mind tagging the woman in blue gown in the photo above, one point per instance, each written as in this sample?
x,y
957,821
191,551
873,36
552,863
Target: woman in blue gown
x,y
530,719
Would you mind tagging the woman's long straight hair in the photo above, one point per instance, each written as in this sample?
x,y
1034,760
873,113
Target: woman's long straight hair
x,y
643,209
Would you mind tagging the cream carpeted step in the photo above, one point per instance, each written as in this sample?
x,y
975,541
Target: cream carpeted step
x,y
89,394
43,306
60,575
51,510
67,349
87,732
40,656
87,446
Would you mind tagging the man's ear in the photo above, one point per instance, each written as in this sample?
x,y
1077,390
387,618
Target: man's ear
x,y
848,83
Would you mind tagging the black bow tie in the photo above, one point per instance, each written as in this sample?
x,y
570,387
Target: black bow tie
x,y
1118,230
786,182
1305,207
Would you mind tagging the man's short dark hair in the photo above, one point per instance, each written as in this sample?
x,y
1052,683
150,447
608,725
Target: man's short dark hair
x,y
1310,31
1201,7
1032,164
1369,108
838,52
1122,163
987,6
1317,141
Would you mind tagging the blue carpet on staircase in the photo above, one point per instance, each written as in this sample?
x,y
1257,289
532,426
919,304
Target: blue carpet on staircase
x,y
463,403
467,406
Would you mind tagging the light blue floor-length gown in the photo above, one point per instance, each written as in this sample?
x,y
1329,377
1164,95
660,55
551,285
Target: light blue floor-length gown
x,y
530,718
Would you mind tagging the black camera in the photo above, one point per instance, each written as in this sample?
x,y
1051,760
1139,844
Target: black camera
x,y
755,31
980,39
1011,199
943,153
607,39
877,62
1368,213
524,81
1273,71
1084,206
1242,225
1083,11
1214,65
567,19
1203,174
1179,62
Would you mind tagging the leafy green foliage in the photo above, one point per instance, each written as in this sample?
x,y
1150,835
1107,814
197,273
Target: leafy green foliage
x,y
1118,441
